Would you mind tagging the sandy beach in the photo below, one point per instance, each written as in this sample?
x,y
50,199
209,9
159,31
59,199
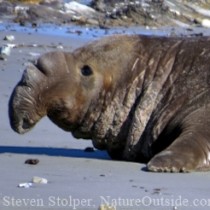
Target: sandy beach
x,y
77,179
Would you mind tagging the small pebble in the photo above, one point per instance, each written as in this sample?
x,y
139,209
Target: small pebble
x,y
5,50
32,161
2,58
9,38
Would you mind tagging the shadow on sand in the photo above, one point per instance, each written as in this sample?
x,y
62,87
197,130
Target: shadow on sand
x,y
77,153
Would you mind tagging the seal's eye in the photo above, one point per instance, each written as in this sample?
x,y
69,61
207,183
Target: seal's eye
x,y
86,70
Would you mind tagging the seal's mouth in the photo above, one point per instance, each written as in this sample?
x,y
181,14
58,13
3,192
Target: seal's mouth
x,y
23,126
19,122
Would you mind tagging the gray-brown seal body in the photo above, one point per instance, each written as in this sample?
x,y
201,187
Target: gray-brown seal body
x,y
141,98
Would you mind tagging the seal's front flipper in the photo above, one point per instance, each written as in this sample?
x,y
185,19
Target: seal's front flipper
x,y
189,152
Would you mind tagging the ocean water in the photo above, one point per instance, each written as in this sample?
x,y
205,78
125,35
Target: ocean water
x,y
90,32
83,31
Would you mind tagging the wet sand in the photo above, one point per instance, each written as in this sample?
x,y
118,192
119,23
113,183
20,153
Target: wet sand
x,y
76,179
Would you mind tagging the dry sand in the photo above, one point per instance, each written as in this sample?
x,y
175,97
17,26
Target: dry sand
x,y
77,179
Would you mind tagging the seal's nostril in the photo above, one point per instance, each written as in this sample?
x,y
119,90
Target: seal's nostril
x,y
26,124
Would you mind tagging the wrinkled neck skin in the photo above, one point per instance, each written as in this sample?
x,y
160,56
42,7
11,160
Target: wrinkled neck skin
x,y
119,117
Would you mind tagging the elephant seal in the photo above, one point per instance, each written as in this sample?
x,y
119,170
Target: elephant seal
x,y
144,99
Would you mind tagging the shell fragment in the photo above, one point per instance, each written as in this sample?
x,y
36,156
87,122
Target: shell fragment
x,y
39,180
25,185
